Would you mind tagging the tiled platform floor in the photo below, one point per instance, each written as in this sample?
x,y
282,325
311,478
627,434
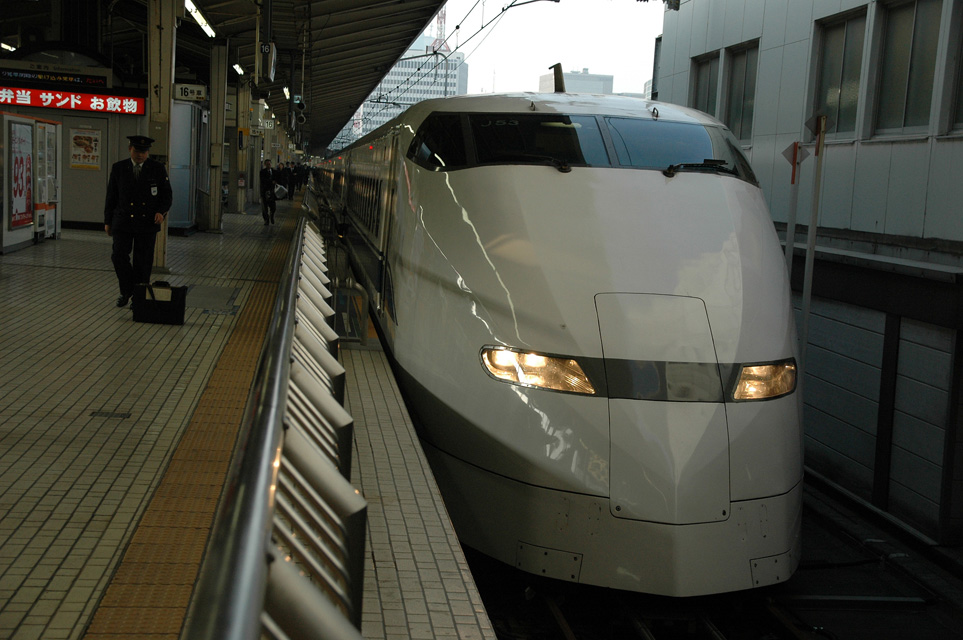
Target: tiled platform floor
x,y
417,581
93,406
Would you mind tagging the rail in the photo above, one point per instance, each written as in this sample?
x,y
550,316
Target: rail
x,y
286,555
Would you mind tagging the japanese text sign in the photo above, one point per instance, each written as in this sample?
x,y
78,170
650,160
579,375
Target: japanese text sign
x,y
60,99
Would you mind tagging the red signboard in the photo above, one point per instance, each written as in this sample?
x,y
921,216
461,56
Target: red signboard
x,y
61,99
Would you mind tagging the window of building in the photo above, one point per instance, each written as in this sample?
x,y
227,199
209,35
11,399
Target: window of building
x,y
910,36
837,85
742,91
704,91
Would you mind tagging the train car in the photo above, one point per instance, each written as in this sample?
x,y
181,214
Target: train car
x,y
587,308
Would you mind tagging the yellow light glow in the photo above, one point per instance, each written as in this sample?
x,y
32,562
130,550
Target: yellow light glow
x,y
536,370
534,360
760,382
503,358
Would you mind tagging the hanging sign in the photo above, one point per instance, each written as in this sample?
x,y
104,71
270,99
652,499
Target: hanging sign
x,y
190,91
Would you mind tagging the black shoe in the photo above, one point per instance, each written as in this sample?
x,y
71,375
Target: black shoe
x,y
123,300
272,218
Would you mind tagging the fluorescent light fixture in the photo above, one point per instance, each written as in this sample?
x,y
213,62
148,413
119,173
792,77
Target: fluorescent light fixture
x,y
287,94
239,69
8,47
199,18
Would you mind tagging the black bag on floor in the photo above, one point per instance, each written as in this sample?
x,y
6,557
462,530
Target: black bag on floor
x,y
159,303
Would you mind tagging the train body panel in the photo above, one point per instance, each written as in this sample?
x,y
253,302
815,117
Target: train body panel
x,y
575,538
660,296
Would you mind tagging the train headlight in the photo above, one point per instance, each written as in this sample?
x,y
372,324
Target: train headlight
x,y
536,370
765,381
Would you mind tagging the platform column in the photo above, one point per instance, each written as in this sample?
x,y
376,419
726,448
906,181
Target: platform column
x,y
244,134
161,46
218,117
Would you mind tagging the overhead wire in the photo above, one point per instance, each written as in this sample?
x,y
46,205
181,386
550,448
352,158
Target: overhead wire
x,y
387,95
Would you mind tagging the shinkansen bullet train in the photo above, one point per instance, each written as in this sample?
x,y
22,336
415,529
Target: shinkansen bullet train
x,y
586,304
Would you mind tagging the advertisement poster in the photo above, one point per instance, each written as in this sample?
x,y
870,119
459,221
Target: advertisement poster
x,y
52,170
85,149
40,166
21,175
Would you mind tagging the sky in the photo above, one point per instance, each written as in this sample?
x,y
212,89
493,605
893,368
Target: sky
x,y
608,37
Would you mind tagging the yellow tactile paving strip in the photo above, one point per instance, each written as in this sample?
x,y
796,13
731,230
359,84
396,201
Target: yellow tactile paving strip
x,y
149,594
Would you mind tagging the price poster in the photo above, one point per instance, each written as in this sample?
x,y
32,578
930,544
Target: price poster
x,y
21,175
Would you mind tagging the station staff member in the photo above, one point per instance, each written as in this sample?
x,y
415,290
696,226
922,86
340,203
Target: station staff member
x,y
138,199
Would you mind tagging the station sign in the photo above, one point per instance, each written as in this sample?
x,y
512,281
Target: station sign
x,y
71,100
190,91
69,77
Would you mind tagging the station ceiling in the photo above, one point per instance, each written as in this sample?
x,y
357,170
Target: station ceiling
x,y
345,48
331,52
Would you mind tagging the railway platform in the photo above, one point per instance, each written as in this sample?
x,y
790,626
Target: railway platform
x,y
115,438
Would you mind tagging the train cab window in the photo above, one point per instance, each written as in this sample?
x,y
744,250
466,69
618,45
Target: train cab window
x,y
527,138
439,143
648,144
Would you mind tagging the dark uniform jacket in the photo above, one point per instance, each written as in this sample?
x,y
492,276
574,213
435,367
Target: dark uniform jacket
x,y
131,204
268,177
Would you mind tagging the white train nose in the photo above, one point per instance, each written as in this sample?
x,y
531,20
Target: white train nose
x,y
667,421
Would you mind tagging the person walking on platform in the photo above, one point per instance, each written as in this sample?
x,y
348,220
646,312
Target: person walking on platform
x,y
268,201
138,198
286,179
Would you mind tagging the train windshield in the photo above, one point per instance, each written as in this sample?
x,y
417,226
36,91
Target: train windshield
x,y
448,141
522,138
651,144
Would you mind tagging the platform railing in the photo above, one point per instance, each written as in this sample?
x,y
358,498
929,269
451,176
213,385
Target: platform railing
x,y
350,299
286,555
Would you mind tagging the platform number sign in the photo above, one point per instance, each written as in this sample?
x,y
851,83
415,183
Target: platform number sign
x,y
21,175
190,91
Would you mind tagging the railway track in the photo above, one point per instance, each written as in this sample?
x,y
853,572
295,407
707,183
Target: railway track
x,y
845,589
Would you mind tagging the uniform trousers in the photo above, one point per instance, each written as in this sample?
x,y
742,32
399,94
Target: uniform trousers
x,y
132,271
268,204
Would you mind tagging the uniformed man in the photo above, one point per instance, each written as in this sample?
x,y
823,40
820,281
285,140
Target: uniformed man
x,y
138,199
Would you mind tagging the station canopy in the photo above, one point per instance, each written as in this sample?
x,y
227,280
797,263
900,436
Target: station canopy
x,y
331,53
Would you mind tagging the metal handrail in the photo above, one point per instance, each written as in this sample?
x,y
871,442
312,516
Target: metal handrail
x,y
286,554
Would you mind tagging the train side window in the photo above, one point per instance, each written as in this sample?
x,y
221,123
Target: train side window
x,y
439,143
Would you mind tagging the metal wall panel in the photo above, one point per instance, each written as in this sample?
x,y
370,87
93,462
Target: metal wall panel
x,y
906,195
945,191
919,422
768,73
717,19
773,24
699,21
840,392
872,162
735,18
837,199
